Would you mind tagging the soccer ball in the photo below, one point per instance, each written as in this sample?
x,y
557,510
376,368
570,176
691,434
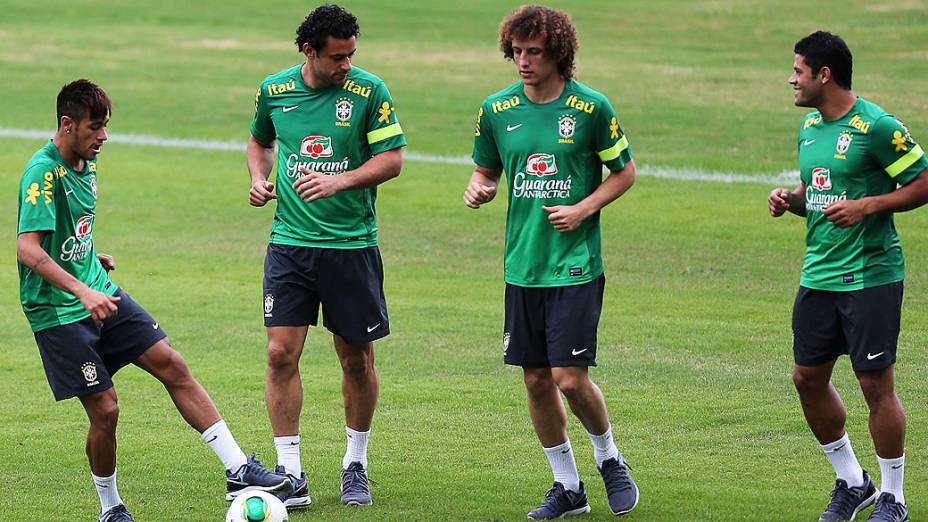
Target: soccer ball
x,y
257,506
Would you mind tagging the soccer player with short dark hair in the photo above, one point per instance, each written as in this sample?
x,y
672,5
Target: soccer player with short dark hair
x,y
338,137
858,164
552,135
86,327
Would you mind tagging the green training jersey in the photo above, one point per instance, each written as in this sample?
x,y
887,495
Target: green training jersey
x,y
331,130
553,154
867,152
53,198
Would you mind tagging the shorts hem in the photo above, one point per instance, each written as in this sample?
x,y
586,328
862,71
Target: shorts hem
x,y
70,394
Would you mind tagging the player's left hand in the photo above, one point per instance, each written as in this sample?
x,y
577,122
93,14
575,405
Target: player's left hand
x,y
314,185
107,261
565,218
846,213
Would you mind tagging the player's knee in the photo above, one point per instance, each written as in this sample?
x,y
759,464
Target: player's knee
x,y
357,365
875,389
571,384
805,381
538,383
281,359
104,414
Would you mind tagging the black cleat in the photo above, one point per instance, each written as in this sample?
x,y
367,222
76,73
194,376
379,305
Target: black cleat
x,y
296,496
116,514
560,502
888,510
355,489
847,502
253,476
620,488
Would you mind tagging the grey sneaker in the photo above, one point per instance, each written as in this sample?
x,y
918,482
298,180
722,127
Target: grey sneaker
x,y
117,514
560,502
296,496
355,489
888,510
620,488
846,502
252,475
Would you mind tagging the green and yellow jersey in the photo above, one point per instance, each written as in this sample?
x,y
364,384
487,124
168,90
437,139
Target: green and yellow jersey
x,y
553,154
330,130
54,198
867,152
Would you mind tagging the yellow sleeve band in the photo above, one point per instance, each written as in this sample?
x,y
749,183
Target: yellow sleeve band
x,y
613,152
381,134
905,162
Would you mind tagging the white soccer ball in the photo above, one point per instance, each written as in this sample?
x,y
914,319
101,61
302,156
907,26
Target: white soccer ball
x,y
257,506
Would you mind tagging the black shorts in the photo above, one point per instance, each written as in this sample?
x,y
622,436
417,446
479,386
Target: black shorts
x,y
80,358
554,326
861,323
347,282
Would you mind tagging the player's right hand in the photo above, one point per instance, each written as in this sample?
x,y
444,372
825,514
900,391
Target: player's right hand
x,y
261,192
477,194
778,202
101,306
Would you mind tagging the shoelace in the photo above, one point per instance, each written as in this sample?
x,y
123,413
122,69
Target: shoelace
x,y
354,480
620,480
843,500
887,510
255,467
553,497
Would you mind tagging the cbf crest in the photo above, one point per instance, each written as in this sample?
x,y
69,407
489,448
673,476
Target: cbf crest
x,y
89,370
844,143
268,305
343,110
566,126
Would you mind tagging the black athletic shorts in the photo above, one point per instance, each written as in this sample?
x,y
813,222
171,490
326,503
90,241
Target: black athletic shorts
x,y
81,358
348,283
861,323
554,326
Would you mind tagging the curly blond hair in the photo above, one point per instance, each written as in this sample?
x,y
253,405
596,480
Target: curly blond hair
x,y
532,21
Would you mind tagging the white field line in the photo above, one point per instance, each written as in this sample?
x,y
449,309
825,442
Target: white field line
x,y
787,177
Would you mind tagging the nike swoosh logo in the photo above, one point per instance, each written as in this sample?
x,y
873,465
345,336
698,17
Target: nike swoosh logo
x,y
510,128
578,352
372,328
68,192
297,443
212,439
154,326
808,142
288,109
898,466
839,448
871,356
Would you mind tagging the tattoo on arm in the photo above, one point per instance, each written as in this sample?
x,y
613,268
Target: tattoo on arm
x,y
40,262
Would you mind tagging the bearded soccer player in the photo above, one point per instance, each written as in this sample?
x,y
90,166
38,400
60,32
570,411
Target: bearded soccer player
x,y
338,138
552,135
858,164
86,327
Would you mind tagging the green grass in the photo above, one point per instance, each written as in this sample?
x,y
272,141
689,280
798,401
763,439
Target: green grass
x,y
694,351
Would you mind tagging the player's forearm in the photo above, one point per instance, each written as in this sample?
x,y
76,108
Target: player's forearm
x,y
616,184
486,177
797,200
380,168
260,160
33,256
911,196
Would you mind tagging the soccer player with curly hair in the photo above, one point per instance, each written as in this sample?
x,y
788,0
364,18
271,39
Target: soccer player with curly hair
x,y
553,135
337,138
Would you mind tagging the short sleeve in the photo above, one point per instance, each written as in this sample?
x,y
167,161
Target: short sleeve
x,y
37,199
896,151
486,153
383,126
609,139
262,127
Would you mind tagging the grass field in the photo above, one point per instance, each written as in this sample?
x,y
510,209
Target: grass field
x,y
694,353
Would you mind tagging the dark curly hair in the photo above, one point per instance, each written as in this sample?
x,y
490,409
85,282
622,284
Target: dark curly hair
x,y
82,99
325,21
824,49
531,21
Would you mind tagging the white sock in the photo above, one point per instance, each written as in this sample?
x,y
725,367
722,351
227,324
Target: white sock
x,y
891,472
220,439
842,458
563,465
604,447
357,447
106,489
288,454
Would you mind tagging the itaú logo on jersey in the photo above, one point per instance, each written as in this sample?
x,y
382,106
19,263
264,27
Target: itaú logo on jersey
x,y
316,147
821,178
78,246
541,165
